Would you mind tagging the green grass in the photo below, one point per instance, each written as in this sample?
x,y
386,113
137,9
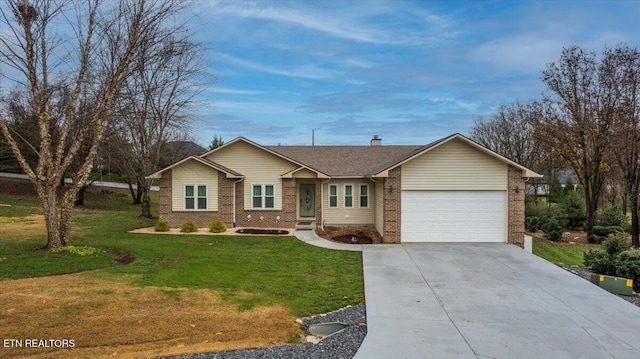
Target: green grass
x,y
571,254
246,271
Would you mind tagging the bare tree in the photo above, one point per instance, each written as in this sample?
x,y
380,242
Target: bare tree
x,y
90,46
153,104
578,121
509,132
620,76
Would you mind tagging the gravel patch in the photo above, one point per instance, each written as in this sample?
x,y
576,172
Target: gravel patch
x,y
342,345
585,273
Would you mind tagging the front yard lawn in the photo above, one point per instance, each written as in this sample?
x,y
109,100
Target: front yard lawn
x,y
571,254
180,294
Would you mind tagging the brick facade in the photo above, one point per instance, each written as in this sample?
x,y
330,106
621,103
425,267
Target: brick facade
x,y
392,207
285,218
259,218
202,218
515,215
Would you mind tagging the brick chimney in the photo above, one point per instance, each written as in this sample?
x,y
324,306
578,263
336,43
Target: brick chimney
x,y
376,141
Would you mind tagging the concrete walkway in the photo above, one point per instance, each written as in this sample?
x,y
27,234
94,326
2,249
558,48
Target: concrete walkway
x,y
310,237
487,301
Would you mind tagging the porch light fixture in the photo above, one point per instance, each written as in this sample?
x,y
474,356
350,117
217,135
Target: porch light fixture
x,y
391,189
517,189
248,217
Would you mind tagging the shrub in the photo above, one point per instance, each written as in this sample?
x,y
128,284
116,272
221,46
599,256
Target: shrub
x,y
188,227
574,210
606,231
612,216
615,244
162,226
533,210
628,266
532,224
553,212
552,229
599,261
217,226
593,239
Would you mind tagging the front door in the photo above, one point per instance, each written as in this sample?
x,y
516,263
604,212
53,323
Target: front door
x,y
307,200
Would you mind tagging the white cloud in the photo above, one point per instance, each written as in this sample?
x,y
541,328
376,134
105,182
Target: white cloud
x,y
356,22
232,91
310,71
528,52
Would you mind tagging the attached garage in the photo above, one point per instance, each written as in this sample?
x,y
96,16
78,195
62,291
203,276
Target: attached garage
x,y
454,193
454,216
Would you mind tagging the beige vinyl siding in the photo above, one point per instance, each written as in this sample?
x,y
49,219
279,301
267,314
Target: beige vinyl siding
x,y
379,206
454,165
356,215
258,166
193,173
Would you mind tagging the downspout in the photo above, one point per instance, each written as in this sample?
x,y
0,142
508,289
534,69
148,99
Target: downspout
x,y
322,203
374,206
234,200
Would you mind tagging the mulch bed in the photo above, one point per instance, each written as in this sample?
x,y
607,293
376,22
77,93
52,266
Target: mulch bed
x,y
362,239
276,232
363,234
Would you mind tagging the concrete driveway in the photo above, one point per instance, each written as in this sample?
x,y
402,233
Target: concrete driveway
x,y
487,301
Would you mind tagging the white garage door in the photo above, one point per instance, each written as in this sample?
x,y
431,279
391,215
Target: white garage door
x,y
453,216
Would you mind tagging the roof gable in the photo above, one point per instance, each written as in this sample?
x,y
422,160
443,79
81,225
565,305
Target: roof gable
x,y
229,172
268,150
457,136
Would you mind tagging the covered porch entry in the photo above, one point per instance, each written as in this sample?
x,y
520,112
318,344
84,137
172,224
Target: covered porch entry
x,y
308,205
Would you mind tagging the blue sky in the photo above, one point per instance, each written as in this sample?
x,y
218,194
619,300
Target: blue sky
x,y
408,71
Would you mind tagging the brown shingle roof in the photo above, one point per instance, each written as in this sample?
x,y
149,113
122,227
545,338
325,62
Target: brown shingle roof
x,y
347,161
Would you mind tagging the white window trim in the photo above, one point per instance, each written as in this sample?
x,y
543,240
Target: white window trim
x,y
195,197
329,196
344,197
263,196
360,195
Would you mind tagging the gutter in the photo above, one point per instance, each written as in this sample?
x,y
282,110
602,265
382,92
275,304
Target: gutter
x,y
322,202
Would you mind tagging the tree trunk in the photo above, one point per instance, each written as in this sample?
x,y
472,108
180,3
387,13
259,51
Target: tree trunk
x,y
80,197
146,199
135,194
66,220
634,196
50,210
140,193
591,202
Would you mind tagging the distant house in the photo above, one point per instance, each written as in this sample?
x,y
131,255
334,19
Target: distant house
x,y
541,186
451,190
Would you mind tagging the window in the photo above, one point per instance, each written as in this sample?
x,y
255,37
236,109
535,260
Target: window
x,y
195,197
333,196
364,196
348,196
263,196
